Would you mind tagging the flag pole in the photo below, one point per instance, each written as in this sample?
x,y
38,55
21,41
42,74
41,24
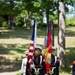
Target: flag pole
x,y
35,22
48,51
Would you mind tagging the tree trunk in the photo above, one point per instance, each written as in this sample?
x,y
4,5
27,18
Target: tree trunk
x,y
25,22
28,20
10,22
61,36
41,17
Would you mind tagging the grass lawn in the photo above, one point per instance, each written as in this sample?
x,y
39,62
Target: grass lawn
x,y
13,43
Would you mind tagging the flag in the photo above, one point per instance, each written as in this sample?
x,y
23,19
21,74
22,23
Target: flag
x,y
32,44
48,51
52,32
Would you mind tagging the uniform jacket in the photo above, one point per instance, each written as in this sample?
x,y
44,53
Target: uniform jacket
x,y
23,66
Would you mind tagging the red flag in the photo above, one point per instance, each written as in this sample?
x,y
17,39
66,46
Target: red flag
x,y
48,51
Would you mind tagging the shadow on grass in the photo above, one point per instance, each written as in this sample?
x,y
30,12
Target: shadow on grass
x,y
8,64
19,48
17,33
70,33
70,55
24,33
17,30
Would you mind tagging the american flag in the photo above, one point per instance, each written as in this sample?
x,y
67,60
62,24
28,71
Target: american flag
x,y
32,44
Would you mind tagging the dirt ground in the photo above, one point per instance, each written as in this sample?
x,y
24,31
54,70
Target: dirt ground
x,y
8,73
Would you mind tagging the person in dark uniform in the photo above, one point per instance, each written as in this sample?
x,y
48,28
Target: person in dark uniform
x,y
39,64
55,62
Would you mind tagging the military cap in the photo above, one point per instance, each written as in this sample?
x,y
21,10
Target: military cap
x,y
38,47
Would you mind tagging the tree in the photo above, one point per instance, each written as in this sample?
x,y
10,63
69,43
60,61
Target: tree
x,y
49,7
61,28
8,10
62,33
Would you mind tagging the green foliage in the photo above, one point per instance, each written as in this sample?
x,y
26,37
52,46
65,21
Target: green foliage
x,y
41,25
37,4
20,23
29,8
7,8
4,24
55,23
70,22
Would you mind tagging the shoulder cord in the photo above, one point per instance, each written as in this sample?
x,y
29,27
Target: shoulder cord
x,y
40,59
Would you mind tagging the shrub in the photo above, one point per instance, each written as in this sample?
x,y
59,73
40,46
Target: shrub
x,y
19,23
40,25
4,24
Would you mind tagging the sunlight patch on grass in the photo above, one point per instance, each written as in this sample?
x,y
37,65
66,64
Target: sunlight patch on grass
x,y
13,52
67,51
14,41
18,72
16,55
64,73
5,31
70,42
70,28
40,41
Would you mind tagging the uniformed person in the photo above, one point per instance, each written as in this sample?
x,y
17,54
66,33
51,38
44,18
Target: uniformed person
x,y
55,62
39,64
24,63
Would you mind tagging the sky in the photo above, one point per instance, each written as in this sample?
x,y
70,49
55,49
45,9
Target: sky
x,y
67,15
72,14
